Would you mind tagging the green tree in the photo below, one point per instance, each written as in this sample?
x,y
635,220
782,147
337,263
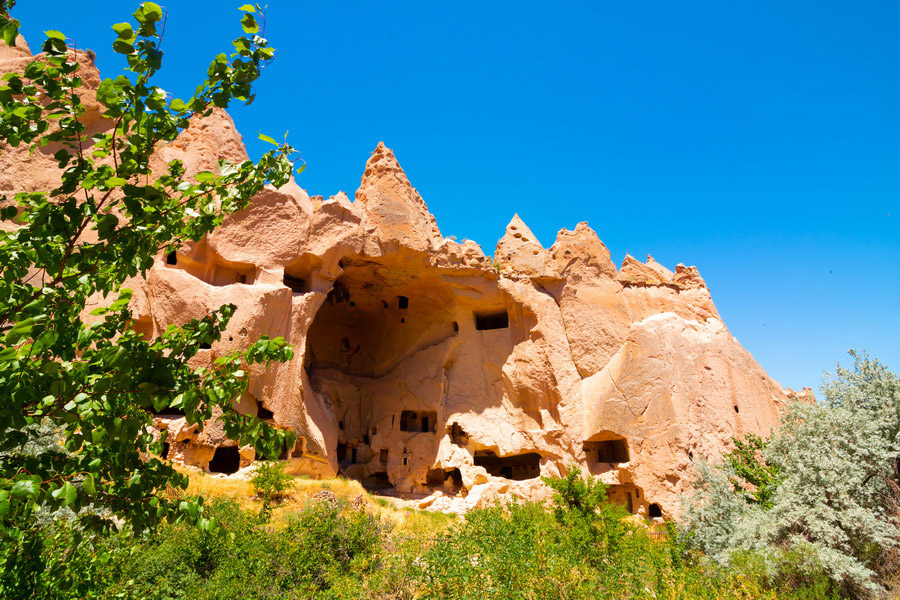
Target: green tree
x,y
581,507
77,398
833,504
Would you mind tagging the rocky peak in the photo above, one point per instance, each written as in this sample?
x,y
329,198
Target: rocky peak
x,y
393,210
580,255
519,250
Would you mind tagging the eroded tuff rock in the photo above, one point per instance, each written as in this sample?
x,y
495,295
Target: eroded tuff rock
x,y
424,366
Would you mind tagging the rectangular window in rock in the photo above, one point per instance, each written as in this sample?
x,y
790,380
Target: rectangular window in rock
x,y
494,320
518,466
421,421
297,285
607,451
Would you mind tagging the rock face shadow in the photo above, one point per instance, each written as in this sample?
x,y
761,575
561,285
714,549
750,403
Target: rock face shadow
x,y
390,354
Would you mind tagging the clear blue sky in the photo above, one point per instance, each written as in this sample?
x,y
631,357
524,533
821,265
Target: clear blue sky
x,y
758,140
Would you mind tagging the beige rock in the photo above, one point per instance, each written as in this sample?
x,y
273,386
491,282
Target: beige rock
x,y
519,251
423,366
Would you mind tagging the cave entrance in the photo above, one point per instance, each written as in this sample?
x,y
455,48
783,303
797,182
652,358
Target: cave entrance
x,y
227,460
606,449
518,467
362,358
450,479
626,494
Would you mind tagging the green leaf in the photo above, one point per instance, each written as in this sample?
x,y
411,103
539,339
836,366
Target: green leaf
x,y
249,24
107,224
89,485
177,105
248,8
115,182
24,489
10,32
56,35
69,493
205,177
152,11
266,138
122,29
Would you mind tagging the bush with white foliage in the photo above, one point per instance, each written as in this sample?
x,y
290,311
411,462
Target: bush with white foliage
x,y
834,505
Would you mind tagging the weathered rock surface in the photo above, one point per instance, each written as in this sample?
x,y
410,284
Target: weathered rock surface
x,y
422,365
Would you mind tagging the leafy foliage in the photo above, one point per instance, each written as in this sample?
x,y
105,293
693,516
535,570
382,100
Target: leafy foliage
x,y
92,380
753,477
9,27
594,524
833,504
270,483
329,550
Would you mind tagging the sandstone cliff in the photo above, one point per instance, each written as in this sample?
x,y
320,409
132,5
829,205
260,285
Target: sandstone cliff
x,y
426,367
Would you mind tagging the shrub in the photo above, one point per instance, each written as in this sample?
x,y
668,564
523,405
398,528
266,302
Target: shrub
x,y
592,524
271,483
830,505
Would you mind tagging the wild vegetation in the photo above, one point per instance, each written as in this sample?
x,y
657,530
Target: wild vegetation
x,y
88,511
821,493
331,544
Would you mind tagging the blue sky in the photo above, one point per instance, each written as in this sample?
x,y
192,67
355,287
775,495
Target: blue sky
x,y
759,140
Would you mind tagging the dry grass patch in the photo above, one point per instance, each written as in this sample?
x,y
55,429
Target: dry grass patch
x,y
406,521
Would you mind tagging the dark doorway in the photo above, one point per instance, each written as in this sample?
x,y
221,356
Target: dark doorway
x,y
227,459
518,467
262,412
297,285
497,320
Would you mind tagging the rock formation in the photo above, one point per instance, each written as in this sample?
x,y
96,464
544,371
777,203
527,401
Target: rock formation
x,y
424,366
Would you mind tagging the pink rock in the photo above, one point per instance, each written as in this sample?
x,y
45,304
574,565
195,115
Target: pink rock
x,y
423,365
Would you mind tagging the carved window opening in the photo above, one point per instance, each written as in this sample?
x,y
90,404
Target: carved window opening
x,y
440,477
262,412
518,467
231,273
402,302
383,456
377,481
612,451
227,460
424,422
654,511
494,320
624,495
296,284
172,258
